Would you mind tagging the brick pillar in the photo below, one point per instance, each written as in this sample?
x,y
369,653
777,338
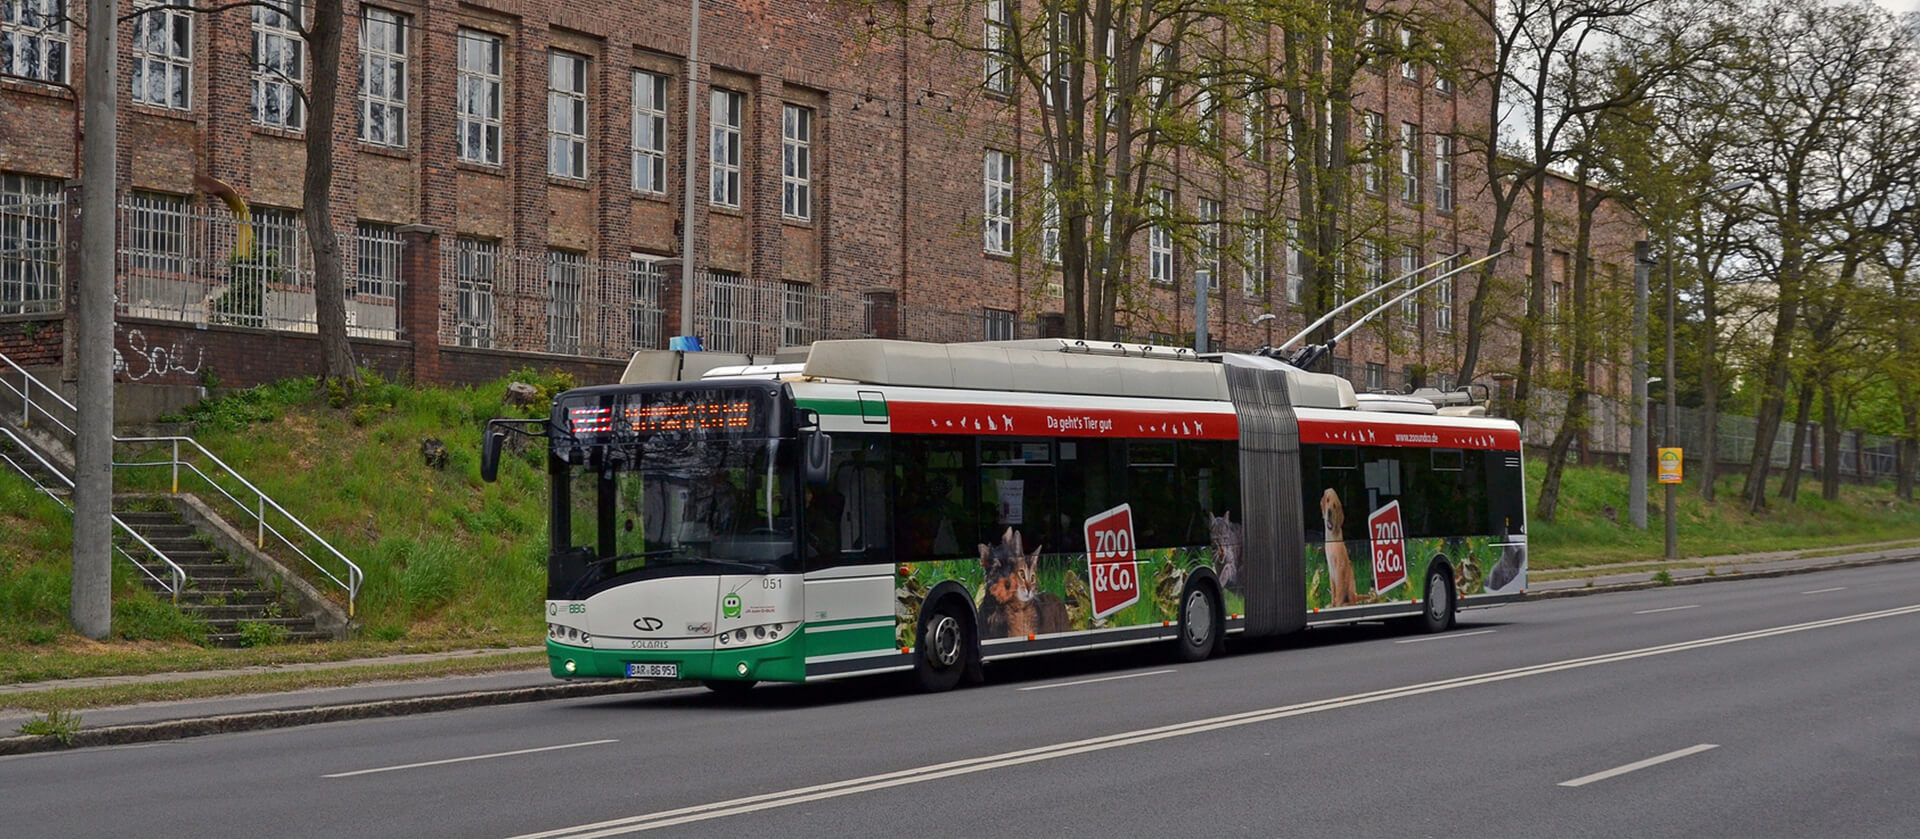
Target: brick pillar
x,y
420,298
883,313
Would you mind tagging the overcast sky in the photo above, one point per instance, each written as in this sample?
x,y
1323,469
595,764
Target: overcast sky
x,y
1899,5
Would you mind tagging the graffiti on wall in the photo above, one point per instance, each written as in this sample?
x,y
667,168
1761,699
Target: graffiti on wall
x,y
137,360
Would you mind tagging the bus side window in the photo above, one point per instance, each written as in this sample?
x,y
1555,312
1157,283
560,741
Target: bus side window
x,y
849,519
932,518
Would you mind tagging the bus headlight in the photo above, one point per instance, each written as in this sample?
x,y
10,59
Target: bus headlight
x,y
750,636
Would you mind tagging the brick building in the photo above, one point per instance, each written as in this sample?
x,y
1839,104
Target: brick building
x,y
509,175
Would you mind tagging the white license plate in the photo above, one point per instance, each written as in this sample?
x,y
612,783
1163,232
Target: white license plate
x,y
653,671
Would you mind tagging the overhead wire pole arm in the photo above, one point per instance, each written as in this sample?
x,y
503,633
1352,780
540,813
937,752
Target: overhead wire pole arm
x,y
1304,357
1302,334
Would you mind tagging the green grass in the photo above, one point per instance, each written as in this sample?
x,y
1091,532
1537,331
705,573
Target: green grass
x,y
452,562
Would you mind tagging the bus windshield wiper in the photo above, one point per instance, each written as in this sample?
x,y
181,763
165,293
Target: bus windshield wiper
x,y
724,563
634,555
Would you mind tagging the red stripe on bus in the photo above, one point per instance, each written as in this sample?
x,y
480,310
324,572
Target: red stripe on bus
x,y
1408,435
1029,421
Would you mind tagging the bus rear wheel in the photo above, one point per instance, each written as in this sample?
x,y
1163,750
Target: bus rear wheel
x,y
1199,623
1438,612
946,648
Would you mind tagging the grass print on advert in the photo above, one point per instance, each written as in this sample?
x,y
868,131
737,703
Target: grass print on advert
x,y
1019,591
1480,566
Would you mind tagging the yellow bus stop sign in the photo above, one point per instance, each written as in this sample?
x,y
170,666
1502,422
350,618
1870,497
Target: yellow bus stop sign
x,y
1669,465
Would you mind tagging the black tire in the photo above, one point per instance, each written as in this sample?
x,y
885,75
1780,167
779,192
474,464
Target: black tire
x,y
1200,623
730,688
1437,613
945,650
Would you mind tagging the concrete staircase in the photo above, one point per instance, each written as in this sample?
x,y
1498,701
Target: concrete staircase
x,y
220,591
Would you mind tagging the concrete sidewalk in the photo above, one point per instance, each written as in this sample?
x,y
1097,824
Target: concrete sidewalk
x,y
194,717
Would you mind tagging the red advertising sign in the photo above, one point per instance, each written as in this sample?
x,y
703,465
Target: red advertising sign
x,y
1389,547
1111,564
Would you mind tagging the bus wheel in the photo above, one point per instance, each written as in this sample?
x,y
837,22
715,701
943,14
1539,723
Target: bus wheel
x,y
729,688
1199,623
1437,615
946,645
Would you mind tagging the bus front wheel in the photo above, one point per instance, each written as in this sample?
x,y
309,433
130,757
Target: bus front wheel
x,y
1438,613
946,647
1199,623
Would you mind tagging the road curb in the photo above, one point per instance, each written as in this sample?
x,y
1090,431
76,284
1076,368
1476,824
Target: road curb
x,y
120,735
1736,574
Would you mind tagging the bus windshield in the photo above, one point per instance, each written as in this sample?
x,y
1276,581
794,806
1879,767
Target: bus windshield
x,y
673,505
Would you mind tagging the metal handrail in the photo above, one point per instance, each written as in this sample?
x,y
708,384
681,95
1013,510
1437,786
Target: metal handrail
x,y
25,392
179,574
258,510
354,576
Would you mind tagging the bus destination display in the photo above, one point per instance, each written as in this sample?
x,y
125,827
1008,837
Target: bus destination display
x,y
632,416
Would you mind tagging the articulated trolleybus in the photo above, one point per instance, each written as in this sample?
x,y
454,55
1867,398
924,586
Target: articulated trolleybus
x,y
900,506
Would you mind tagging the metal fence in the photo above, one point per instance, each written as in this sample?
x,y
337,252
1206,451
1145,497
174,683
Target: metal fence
x,y
184,263
31,255
1861,455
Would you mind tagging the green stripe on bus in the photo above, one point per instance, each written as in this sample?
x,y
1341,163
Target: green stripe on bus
x,y
877,639
845,621
836,407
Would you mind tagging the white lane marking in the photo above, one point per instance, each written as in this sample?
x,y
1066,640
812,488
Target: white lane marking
x,y
1445,637
1638,765
923,774
1101,679
1825,590
1668,609
465,759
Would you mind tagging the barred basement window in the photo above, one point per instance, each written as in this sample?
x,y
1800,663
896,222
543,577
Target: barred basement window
x,y
645,311
795,323
565,272
477,265
999,325
377,261
156,232
279,66
30,247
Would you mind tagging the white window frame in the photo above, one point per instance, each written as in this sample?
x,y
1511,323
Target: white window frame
x,y
796,162
997,324
1206,105
566,292
383,64
39,40
1160,241
1410,307
1055,60
279,66
1443,301
1253,253
1409,69
1409,162
567,115
1296,275
995,37
476,272
997,212
376,264
723,147
1375,128
649,140
480,87
644,308
32,253
1049,217
796,314
1206,265
1251,135
156,233
1158,57
1443,173
162,51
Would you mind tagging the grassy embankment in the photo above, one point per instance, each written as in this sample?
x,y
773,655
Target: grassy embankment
x,y
455,563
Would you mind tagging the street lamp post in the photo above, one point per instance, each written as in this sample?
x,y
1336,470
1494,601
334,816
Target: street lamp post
x,y
687,190
1637,444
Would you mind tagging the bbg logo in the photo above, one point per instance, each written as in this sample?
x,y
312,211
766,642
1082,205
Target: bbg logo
x,y
730,606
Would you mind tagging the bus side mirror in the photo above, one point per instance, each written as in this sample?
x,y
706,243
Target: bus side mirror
x,y
818,456
490,454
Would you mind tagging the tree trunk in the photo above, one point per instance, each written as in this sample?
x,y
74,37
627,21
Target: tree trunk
x,y
1774,374
1829,444
329,282
1796,461
1903,482
1709,388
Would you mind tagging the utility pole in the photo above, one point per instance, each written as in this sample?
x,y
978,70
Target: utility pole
x,y
92,595
1666,434
687,192
1637,448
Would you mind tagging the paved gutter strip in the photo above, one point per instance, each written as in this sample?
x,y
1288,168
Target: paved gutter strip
x,y
118,735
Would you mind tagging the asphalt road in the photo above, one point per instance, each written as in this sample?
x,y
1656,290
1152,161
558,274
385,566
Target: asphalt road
x,y
1775,707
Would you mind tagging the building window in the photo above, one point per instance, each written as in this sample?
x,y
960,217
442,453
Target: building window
x,y
1410,307
644,310
1443,173
1049,216
478,97
1374,263
383,77
1443,302
1251,127
163,54
649,133
1160,240
1206,104
724,146
377,261
999,325
157,232
729,329
1159,64
796,315
994,41
1253,253
35,38
567,115
476,266
30,247
1442,83
1296,277
1409,69
1376,134
1409,162
566,272
997,219
796,162
1206,269
1376,376
1058,62
279,65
